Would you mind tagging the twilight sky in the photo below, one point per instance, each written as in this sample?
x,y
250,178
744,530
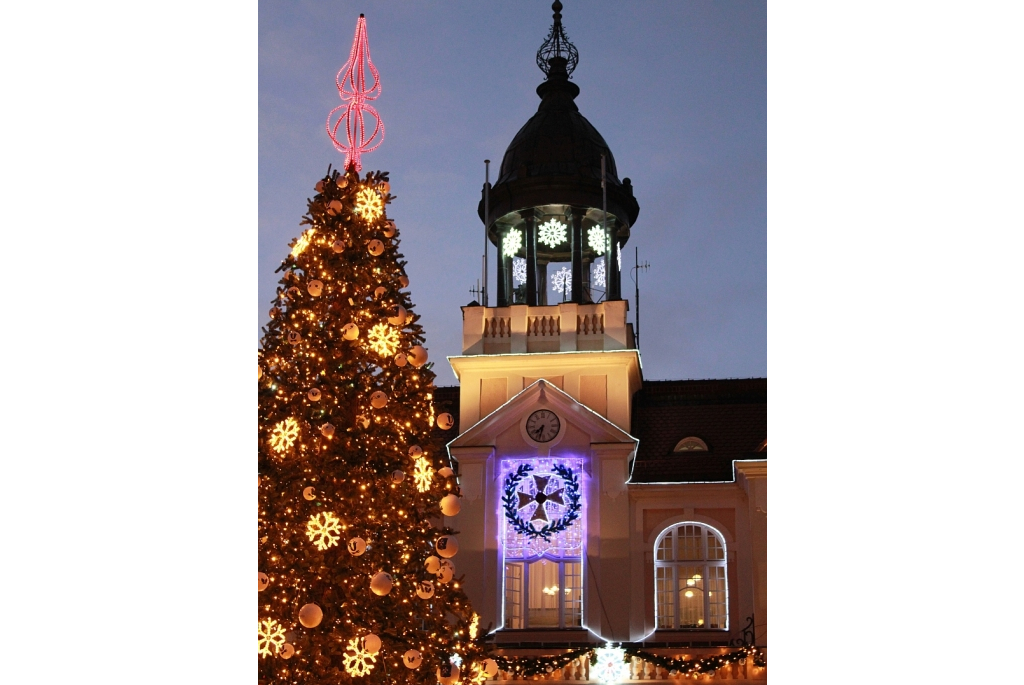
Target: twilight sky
x,y
677,89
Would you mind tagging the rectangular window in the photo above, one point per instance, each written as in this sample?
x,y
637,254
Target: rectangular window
x,y
663,584
716,596
573,595
513,595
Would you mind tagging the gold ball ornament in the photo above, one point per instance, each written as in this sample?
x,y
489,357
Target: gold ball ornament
x,y
315,288
447,564
342,181
327,430
371,643
415,451
338,246
445,575
287,651
432,564
310,615
417,356
450,505
412,659
378,399
362,421
397,476
381,584
445,472
314,394
399,318
385,188
335,206
319,186
490,668
292,292
379,291
404,281
425,589
376,247
447,546
401,359
445,421
264,581
350,331
294,338
309,493
390,229
274,311
447,674
261,372
356,547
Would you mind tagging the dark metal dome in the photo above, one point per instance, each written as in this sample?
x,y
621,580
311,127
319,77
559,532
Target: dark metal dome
x,y
556,158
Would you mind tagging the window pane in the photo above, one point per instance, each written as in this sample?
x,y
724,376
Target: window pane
x,y
573,595
665,549
691,542
716,596
513,595
543,591
715,548
691,597
663,592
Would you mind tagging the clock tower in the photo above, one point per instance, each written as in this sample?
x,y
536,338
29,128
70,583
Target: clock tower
x,y
547,378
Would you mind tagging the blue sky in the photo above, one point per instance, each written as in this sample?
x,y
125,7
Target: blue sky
x,y
677,89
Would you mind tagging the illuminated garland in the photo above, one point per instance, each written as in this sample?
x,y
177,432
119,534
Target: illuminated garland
x,y
572,502
529,666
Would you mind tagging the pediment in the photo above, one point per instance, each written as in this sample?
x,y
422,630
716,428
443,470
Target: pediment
x,y
506,419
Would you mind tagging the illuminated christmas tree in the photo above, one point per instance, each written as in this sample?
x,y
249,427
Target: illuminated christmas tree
x,y
355,581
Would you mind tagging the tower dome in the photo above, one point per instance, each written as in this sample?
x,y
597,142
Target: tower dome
x,y
550,187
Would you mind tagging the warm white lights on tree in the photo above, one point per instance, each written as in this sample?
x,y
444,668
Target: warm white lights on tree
x,y
597,240
551,233
284,435
368,204
271,635
357,661
512,242
383,340
302,242
422,474
324,530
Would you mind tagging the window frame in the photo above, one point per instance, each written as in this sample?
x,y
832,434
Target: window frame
x,y
667,583
521,609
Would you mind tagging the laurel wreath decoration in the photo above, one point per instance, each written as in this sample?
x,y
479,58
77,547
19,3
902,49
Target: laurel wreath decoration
x,y
513,501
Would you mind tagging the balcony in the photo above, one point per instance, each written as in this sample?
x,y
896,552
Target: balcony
x,y
565,327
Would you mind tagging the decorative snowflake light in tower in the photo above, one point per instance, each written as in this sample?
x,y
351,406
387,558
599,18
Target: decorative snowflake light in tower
x,y
352,88
599,274
512,242
595,237
518,270
561,280
552,233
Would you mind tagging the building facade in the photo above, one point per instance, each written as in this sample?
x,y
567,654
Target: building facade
x,y
597,508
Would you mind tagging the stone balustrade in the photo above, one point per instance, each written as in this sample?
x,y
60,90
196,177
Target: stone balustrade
x,y
578,671
565,327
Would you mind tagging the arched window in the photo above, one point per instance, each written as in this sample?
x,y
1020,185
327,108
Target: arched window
x,y
691,444
689,578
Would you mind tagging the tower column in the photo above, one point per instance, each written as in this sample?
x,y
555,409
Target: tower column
x,y
577,256
502,276
531,260
611,268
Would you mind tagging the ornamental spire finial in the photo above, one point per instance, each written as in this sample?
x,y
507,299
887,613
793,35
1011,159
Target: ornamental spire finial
x,y
557,45
351,82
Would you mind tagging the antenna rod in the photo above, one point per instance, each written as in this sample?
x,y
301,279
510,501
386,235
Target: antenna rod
x,y
637,282
487,215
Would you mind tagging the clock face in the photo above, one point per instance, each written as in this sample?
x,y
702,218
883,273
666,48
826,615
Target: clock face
x,y
543,425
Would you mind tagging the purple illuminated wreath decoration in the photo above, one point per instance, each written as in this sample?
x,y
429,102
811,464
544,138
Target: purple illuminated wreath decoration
x,y
568,496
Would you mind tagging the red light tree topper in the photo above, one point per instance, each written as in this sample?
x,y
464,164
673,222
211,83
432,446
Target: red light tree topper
x,y
355,96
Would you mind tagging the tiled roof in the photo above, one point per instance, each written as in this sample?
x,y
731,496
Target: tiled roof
x,y
731,416
447,400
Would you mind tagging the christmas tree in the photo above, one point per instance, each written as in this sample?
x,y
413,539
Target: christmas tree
x,y
355,580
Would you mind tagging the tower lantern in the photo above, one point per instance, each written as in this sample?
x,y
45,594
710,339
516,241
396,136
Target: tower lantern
x,y
555,243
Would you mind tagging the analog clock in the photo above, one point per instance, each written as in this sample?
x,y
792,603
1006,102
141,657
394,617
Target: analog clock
x,y
543,425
